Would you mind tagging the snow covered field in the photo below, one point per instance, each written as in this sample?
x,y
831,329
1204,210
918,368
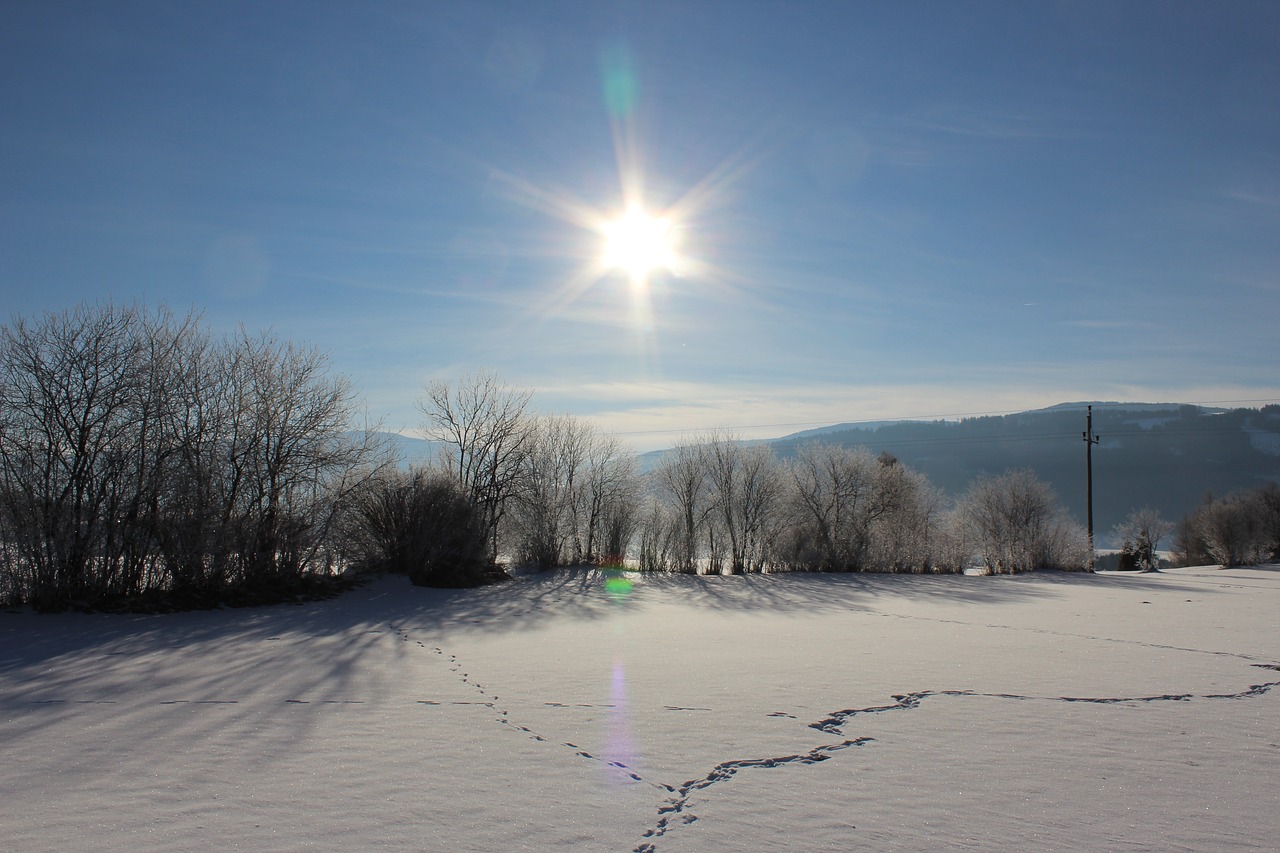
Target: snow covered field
x,y
1047,711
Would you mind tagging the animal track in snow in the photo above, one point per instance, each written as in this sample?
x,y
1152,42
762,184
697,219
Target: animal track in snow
x,y
503,717
836,721
677,806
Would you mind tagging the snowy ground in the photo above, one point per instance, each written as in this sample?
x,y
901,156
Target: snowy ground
x,y
1049,711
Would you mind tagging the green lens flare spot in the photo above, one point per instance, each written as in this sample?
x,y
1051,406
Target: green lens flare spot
x,y
620,85
617,586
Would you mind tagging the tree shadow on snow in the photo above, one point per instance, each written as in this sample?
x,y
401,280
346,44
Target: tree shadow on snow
x,y
799,593
358,647
32,640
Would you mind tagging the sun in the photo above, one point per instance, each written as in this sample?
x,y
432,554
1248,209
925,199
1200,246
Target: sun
x,y
639,244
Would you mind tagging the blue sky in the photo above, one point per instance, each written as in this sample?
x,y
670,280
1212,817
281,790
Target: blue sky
x,y
884,209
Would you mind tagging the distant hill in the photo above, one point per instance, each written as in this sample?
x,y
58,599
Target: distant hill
x,y
822,432
409,451
1167,456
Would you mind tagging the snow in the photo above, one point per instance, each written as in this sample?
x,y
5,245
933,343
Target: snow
x,y
1263,441
812,712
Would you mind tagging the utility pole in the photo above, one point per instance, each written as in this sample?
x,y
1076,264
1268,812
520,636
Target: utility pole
x,y
1089,441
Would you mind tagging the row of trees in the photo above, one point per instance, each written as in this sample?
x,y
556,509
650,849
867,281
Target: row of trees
x,y
720,505
555,490
138,452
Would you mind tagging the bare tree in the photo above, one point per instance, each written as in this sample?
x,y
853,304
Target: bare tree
x,y
608,500
680,480
548,495
484,421
70,390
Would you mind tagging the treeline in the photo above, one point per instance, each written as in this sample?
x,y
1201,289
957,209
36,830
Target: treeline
x,y
141,454
720,505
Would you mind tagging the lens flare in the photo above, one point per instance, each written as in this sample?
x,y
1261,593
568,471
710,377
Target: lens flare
x,y
619,751
618,80
616,584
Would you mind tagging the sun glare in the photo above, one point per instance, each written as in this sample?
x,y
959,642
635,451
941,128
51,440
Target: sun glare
x,y
629,241
639,244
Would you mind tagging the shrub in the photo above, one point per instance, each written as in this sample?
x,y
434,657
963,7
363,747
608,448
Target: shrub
x,y
422,525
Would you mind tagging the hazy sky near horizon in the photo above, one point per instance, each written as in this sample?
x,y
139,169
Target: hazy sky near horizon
x,y
883,209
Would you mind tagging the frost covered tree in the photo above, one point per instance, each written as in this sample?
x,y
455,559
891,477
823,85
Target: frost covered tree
x,y
609,501
680,481
1015,522
657,535
548,489
852,511
289,451
837,495
575,499
1240,529
745,490
908,537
